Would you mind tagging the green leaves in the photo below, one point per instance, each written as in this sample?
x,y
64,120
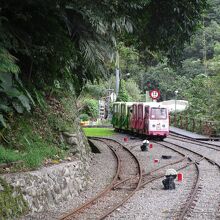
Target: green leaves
x,y
12,92
7,62
90,107
25,102
122,94
2,121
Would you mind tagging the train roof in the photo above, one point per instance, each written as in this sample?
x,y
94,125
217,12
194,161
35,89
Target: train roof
x,y
127,103
154,104
151,104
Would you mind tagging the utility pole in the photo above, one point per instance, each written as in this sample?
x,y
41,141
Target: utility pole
x,y
204,47
117,73
176,92
109,99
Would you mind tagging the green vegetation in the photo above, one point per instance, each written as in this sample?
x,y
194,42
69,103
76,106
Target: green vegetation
x,y
122,94
89,109
47,47
55,54
98,132
196,73
12,202
33,154
35,138
33,151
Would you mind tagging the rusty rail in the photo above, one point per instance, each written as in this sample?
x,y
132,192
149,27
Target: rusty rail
x,y
109,188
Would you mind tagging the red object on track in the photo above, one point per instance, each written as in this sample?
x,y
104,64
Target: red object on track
x,y
156,160
151,145
125,139
179,177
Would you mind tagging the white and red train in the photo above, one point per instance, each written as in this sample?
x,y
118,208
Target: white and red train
x,y
145,118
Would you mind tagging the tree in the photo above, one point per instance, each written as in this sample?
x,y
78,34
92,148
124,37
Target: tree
x,y
122,94
167,25
90,107
133,91
71,41
55,37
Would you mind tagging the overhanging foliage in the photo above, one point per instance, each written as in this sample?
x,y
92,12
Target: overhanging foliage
x,y
70,41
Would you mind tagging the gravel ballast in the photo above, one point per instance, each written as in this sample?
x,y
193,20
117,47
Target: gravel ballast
x,y
150,202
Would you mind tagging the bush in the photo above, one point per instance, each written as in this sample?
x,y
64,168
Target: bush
x,y
84,117
91,107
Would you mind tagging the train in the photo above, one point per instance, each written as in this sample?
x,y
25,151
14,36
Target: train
x,y
150,119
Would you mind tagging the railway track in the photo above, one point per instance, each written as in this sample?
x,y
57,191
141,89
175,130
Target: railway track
x,y
195,141
110,198
199,203
207,170
127,183
192,191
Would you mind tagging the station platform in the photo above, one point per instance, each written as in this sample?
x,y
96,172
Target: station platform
x,y
188,134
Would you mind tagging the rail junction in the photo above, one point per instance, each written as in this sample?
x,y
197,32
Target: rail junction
x,y
137,174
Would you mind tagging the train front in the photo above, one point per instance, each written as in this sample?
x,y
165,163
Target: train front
x,y
158,123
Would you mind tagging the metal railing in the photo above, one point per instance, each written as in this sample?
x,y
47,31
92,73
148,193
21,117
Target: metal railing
x,y
200,126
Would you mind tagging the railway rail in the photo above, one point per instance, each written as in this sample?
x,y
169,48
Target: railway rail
x,y
127,182
105,202
195,141
147,178
203,190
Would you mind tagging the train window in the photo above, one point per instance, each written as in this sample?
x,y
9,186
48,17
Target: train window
x,y
129,110
158,113
140,112
115,108
134,111
146,112
122,109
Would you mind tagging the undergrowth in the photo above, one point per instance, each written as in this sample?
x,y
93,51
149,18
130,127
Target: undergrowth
x,y
33,138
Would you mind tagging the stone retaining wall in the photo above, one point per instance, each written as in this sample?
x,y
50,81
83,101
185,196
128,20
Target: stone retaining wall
x,y
49,186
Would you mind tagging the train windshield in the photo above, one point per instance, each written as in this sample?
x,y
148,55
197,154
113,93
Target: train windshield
x,y
158,113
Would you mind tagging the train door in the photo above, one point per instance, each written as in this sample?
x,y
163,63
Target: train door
x,y
146,120
116,115
123,115
134,116
140,118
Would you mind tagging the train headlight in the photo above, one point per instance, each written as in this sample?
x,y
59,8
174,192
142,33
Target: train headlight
x,y
153,126
163,126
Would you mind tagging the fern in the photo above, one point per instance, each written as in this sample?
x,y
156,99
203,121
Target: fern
x,y
7,62
12,92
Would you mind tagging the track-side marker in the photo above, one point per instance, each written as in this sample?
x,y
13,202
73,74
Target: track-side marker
x,y
179,177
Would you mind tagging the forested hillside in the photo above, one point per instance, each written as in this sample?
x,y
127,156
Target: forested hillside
x,y
194,72
50,50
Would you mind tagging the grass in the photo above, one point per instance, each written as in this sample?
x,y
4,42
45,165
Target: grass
x,y
32,156
8,155
33,139
99,132
31,142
